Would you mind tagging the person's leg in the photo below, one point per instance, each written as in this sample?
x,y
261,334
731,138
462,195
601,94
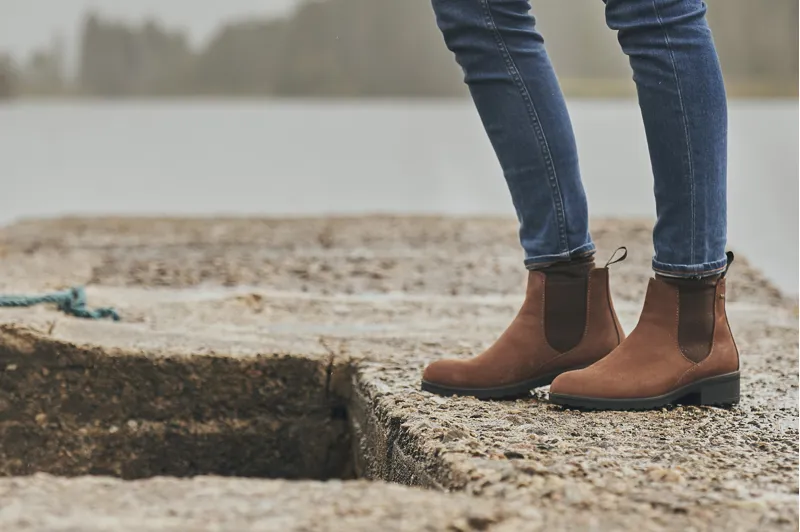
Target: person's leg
x,y
559,327
523,111
682,349
682,98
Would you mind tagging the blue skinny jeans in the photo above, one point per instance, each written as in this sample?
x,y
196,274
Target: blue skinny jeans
x,y
682,100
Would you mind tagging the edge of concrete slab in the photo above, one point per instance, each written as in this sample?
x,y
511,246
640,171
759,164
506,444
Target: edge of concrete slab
x,y
90,409
89,406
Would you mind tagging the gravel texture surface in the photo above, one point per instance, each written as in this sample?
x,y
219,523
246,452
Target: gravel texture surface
x,y
364,304
94,504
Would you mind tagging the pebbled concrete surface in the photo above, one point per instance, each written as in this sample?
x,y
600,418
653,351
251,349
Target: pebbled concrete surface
x,y
96,504
286,326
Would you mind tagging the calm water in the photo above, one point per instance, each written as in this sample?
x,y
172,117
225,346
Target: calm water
x,y
401,157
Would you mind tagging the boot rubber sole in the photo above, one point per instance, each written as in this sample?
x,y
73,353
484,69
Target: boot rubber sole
x,y
506,391
722,390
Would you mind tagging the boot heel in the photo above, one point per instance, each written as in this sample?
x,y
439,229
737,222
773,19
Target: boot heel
x,y
723,391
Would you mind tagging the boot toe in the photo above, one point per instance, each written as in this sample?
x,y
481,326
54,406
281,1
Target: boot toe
x,y
445,373
570,383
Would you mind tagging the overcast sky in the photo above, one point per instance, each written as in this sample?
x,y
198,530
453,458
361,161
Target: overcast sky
x,y
25,24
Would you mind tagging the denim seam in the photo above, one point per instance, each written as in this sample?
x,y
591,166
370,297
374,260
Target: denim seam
x,y
714,263
689,274
513,71
580,251
689,270
687,134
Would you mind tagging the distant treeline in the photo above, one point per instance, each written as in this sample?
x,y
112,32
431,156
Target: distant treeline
x,y
364,48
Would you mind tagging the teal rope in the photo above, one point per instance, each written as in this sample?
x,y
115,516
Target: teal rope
x,y
71,302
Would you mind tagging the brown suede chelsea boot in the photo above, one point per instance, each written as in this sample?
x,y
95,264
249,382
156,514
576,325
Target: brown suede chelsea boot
x,y
682,350
566,322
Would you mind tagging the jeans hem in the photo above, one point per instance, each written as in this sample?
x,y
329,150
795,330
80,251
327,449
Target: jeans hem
x,y
706,269
541,261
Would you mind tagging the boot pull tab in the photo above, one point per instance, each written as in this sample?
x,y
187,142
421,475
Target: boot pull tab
x,y
614,260
730,258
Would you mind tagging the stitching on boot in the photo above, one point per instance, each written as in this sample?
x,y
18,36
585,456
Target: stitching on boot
x,y
611,311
